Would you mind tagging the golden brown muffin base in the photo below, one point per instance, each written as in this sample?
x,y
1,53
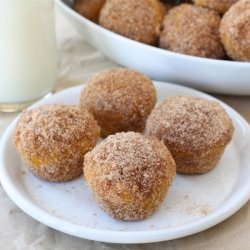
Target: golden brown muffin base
x,y
66,171
129,175
52,140
195,130
198,165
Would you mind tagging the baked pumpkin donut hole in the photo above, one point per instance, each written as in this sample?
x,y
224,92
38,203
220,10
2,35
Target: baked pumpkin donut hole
x,y
195,130
129,175
52,140
235,32
120,100
139,20
192,30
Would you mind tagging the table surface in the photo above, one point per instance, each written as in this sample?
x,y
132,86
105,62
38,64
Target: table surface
x,y
77,62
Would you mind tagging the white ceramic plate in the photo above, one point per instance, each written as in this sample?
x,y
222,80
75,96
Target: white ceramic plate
x,y
193,203
217,76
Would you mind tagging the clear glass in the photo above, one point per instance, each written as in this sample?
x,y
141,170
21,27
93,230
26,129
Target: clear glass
x,y
28,53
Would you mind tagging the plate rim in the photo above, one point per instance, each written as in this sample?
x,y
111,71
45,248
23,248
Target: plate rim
x,y
103,235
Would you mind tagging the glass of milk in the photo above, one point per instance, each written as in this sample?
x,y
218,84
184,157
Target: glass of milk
x,y
28,53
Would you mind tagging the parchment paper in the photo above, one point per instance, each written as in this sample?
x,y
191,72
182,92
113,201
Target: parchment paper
x,y
77,62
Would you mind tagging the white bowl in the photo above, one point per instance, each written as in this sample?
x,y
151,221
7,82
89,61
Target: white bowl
x,y
210,75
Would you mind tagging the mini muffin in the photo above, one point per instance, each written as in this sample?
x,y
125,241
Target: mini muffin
x,y
139,20
129,175
192,30
89,8
235,31
195,130
52,140
120,100
219,5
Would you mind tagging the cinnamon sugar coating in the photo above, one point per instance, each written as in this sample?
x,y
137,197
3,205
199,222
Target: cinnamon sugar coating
x,y
139,20
52,140
195,130
89,8
120,100
220,6
192,30
235,31
129,175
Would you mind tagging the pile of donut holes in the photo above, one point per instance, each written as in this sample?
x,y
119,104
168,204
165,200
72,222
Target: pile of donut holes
x,y
202,28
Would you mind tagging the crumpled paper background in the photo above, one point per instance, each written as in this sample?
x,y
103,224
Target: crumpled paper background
x,y
77,62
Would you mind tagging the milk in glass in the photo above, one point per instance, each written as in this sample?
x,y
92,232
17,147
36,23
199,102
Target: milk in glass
x,y
28,59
